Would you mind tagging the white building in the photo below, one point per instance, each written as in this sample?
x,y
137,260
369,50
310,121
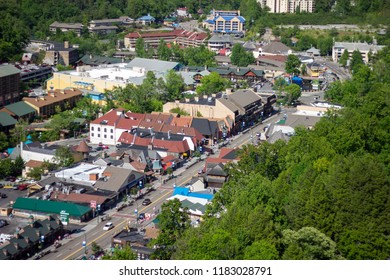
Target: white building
x,y
364,48
288,6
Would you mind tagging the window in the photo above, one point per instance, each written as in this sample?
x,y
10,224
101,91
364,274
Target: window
x,y
112,131
92,128
112,137
98,128
105,136
105,129
92,134
98,135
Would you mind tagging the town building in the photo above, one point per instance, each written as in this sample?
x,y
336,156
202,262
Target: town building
x,y
288,6
20,110
146,20
365,50
45,105
65,27
30,239
181,37
217,42
225,22
61,54
9,84
107,77
243,107
6,122
124,20
34,74
182,12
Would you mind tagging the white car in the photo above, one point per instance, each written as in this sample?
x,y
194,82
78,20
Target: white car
x,y
108,226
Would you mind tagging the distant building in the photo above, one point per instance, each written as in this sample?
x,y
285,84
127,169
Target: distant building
x,y
218,42
180,37
288,6
9,84
61,54
182,12
65,27
364,48
225,22
146,20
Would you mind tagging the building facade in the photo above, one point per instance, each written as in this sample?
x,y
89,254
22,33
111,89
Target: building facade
x,y
230,22
152,39
364,48
9,84
288,6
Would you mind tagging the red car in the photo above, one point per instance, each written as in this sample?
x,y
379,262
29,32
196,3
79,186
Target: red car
x,y
105,147
22,187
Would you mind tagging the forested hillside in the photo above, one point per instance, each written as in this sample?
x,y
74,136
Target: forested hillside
x,y
324,195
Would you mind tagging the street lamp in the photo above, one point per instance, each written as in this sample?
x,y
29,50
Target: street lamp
x,y
84,243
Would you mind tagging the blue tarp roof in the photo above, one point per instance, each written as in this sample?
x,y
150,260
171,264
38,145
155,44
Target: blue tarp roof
x,y
187,192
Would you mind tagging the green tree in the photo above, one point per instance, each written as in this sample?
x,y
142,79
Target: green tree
x,y
63,156
35,173
293,92
212,83
174,86
17,166
240,57
140,48
292,64
173,221
123,254
344,58
163,52
261,250
4,141
309,243
356,61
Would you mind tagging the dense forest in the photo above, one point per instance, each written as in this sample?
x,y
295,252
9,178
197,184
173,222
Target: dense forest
x,y
324,195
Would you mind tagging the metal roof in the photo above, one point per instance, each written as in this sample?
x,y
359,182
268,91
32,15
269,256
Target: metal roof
x,y
48,206
6,120
7,70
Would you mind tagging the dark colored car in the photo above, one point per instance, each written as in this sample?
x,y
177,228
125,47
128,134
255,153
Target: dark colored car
x,y
146,201
99,148
3,195
141,216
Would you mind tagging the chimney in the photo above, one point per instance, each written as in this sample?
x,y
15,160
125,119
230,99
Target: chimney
x,y
177,101
150,147
66,45
228,91
214,95
27,240
187,100
196,98
5,252
205,96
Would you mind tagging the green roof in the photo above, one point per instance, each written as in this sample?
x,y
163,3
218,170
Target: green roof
x,y
48,206
7,70
20,108
6,120
96,59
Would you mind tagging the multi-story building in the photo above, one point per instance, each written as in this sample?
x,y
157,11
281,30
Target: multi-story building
x,y
61,54
225,22
152,39
9,84
65,27
107,77
364,48
288,6
45,105
220,41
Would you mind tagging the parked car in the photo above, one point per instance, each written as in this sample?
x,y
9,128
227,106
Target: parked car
x,y
108,226
3,223
146,201
22,187
1,185
3,195
105,147
99,148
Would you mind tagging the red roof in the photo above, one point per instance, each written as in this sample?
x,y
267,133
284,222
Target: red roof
x,y
110,118
125,123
